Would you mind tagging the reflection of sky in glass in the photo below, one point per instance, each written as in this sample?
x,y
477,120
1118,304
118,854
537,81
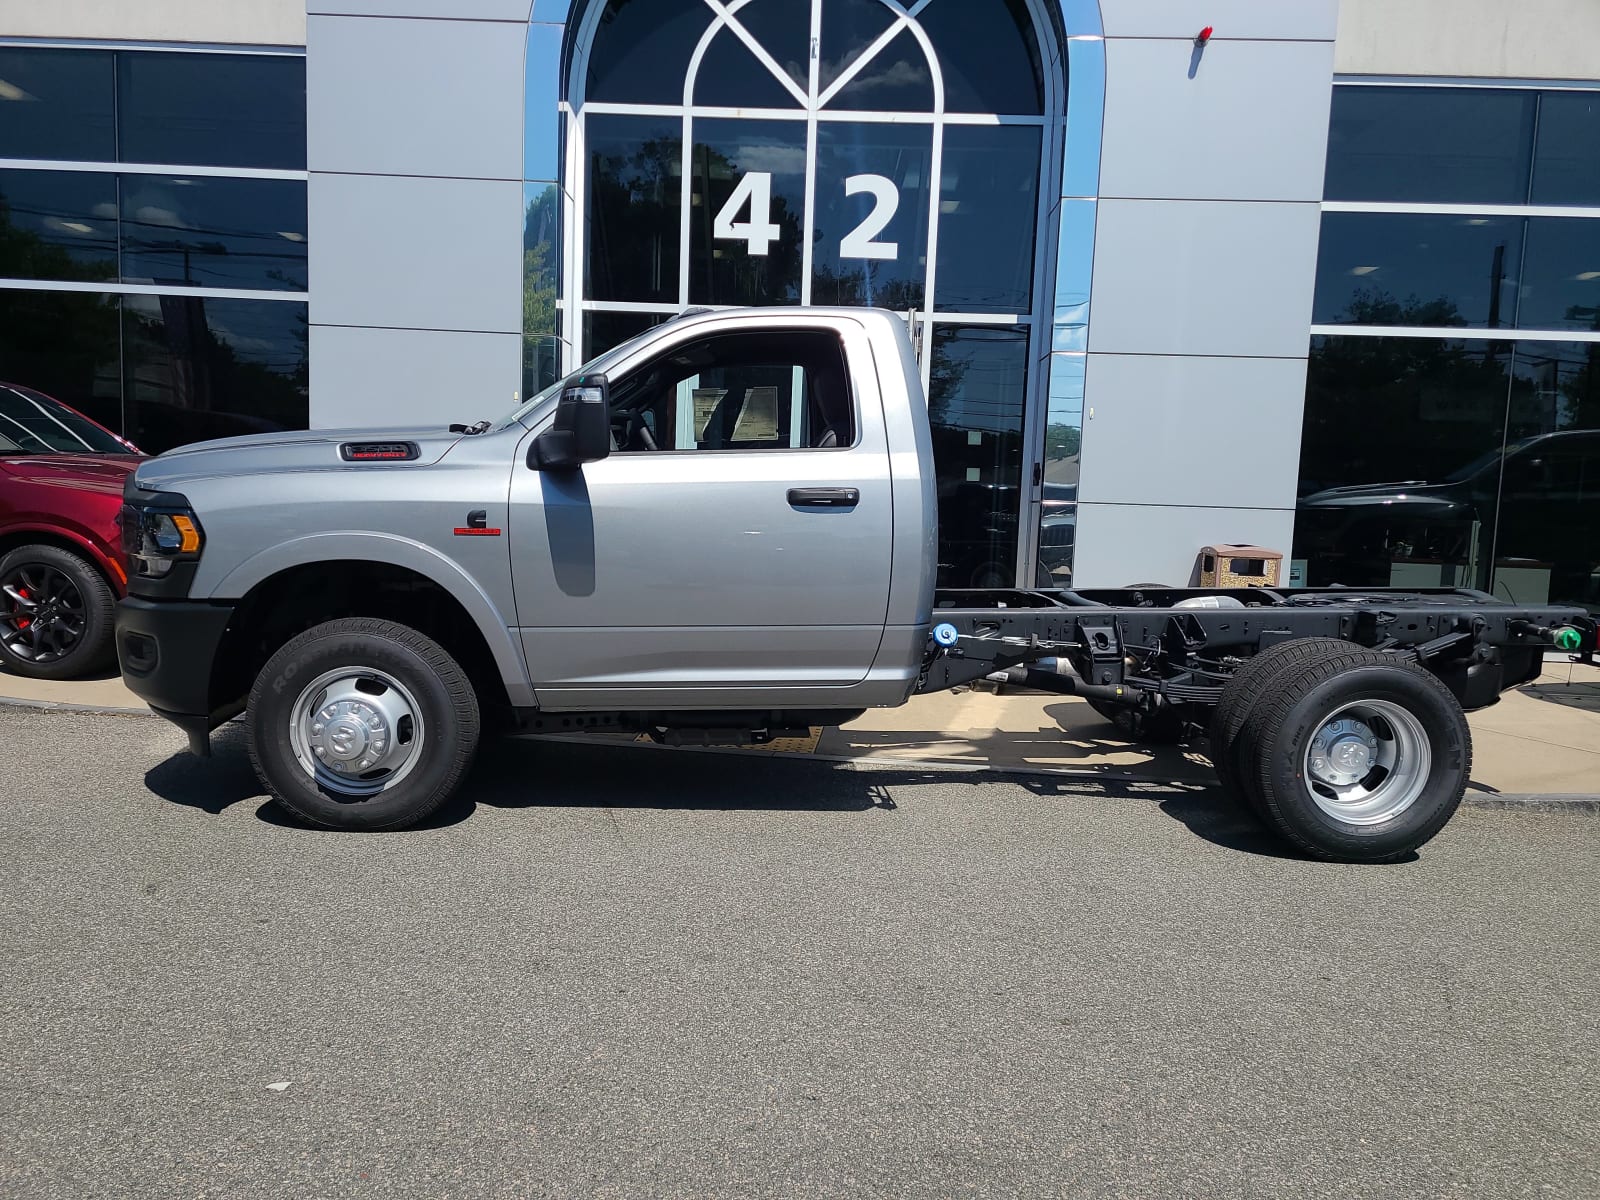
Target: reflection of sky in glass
x,y
1086,95
542,128
1074,267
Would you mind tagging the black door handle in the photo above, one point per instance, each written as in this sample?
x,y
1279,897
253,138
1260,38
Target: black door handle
x,y
824,497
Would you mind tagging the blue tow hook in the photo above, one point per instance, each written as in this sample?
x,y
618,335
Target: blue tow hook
x,y
945,634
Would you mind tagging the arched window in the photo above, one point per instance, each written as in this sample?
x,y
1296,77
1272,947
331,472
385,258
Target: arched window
x,y
849,152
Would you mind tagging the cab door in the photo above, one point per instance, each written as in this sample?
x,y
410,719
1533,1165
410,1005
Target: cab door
x,y
734,549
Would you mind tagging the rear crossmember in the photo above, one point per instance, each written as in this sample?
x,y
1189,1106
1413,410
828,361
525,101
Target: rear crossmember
x,y
1129,645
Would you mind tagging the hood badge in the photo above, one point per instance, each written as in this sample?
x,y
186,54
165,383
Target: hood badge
x,y
477,525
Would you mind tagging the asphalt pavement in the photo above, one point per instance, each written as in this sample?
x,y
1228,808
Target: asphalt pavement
x,y
631,972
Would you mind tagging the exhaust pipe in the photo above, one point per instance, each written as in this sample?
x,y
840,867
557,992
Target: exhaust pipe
x,y
1044,676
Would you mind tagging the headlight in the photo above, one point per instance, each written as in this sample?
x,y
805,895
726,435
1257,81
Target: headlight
x,y
154,539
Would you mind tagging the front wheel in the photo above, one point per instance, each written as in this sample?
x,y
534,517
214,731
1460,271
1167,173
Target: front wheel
x,y
1360,757
362,724
56,614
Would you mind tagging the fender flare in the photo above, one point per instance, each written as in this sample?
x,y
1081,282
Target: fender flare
x,y
400,552
105,562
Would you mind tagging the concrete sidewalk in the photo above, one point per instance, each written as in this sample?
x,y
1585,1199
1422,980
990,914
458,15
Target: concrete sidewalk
x,y
1541,740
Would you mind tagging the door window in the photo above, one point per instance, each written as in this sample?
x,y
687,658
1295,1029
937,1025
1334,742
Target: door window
x,y
742,391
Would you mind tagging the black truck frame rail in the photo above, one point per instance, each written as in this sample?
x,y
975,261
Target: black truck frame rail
x,y
1133,645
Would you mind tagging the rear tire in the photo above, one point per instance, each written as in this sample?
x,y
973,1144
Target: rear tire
x,y
362,724
1358,757
1250,684
57,615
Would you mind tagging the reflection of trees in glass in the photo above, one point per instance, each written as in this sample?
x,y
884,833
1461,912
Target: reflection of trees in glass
x,y
724,272
1376,306
1061,441
25,255
856,288
633,228
540,355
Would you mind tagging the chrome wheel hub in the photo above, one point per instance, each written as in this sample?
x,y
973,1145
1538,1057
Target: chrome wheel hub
x,y
1368,762
356,731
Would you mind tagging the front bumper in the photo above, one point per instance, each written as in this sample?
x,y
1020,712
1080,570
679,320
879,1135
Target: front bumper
x,y
166,649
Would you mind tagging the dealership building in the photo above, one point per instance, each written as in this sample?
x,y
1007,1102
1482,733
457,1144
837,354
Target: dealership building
x,y
1317,276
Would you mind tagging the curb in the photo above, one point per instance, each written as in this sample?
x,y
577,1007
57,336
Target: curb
x,y
104,710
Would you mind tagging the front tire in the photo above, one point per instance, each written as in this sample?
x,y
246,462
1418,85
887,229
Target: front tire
x,y
362,724
57,614
1360,757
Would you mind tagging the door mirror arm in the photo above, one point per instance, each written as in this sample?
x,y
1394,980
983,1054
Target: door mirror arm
x,y
581,430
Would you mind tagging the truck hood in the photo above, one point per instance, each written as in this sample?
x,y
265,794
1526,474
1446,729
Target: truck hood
x,y
296,450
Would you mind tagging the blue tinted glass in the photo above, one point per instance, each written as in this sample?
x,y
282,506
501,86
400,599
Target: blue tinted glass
x,y
604,330
198,368
58,225
783,29
1074,267
634,196
731,76
988,212
210,232
764,265
57,104
1407,269
1086,102
1561,275
642,48
541,253
897,79
1450,145
1063,444
229,110
976,392
988,54
870,241
848,28
541,158
66,345
1566,161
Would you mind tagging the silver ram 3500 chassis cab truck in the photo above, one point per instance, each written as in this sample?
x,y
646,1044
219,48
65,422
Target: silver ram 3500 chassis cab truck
x,y
726,528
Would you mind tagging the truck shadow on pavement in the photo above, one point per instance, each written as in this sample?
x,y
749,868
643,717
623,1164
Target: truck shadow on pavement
x,y
525,773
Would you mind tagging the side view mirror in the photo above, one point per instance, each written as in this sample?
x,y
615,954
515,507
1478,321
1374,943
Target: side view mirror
x,y
581,431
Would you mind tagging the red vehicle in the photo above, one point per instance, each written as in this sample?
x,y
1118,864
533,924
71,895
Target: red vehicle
x,y
60,559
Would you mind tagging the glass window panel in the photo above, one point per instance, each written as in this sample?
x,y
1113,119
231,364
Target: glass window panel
x,y
1406,269
739,270
783,27
896,80
854,260
198,368
1063,445
1398,460
212,232
58,225
1566,160
988,218
226,110
1452,145
57,104
66,345
633,198
730,75
603,331
848,28
642,48
1561,274
541,326
34,423
988,54
1086,101
779,390
1547,542
978,384
543,121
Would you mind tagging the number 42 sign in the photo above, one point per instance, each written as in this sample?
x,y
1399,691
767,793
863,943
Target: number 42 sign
x,y
758,232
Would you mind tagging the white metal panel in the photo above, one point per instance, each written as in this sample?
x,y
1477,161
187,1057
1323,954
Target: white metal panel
x,y
256,23
463,10
1214,134
1120,544
1546,39
1311,20
416,253
1164,429
405,97
398,377
1203,277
